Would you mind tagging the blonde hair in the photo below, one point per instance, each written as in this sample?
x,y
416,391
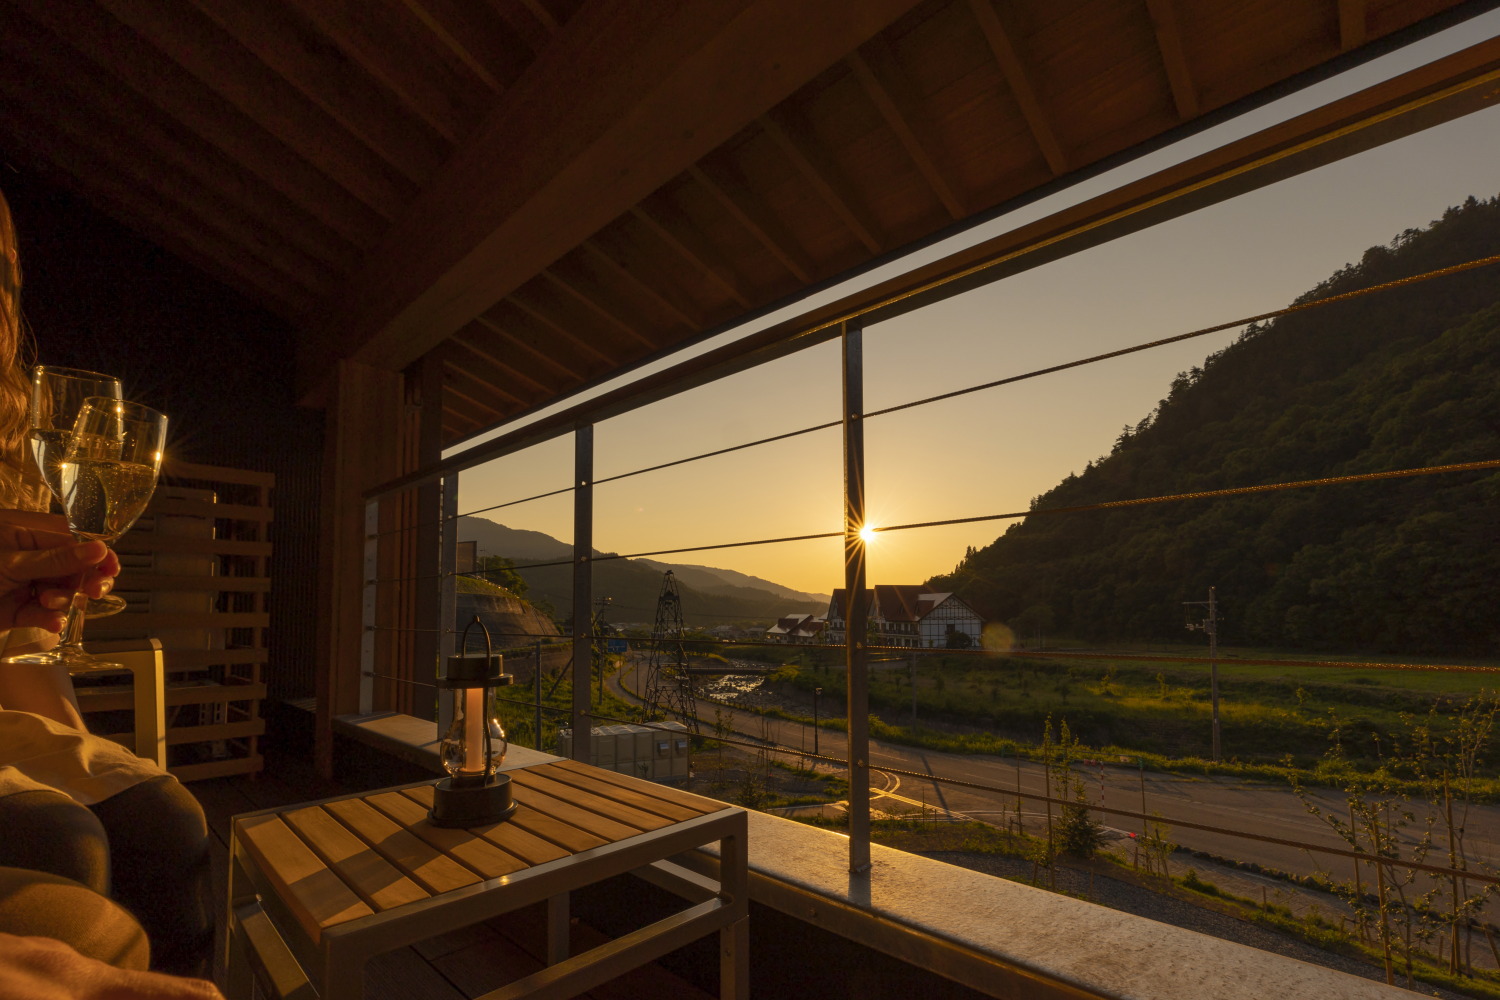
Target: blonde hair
x,y
20,483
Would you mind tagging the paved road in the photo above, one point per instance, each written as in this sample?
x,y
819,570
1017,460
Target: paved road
x,y
1254,807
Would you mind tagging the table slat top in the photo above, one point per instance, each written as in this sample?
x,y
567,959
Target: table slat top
x,y
346,858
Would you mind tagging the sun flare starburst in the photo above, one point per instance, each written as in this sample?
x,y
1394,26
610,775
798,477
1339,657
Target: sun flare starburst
x,y
867,533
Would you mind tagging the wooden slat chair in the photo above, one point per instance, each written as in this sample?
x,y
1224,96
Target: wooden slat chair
x,y
143,659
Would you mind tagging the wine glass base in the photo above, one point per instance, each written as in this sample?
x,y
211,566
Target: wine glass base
x,y
103,607
74,659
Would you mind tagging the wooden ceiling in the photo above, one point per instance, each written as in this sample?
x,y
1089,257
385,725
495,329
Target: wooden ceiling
x,y
535,194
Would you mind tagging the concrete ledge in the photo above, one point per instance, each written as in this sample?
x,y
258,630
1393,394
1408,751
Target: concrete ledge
x,y
996,937
416,741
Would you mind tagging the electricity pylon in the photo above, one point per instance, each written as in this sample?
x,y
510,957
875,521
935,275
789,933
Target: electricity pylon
x,y
669,687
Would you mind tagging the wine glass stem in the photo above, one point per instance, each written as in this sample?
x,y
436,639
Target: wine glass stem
x,y
72,633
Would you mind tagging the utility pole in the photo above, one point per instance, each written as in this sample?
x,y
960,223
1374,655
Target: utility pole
x,y
601,652
1210,625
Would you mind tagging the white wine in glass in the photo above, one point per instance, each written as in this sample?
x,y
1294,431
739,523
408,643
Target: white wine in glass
x,y
57,394
105,479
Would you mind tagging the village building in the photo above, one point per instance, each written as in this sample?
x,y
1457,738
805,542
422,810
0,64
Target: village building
x,y
799,629
908,616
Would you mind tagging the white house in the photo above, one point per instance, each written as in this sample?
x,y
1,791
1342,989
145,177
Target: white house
x,y
907,616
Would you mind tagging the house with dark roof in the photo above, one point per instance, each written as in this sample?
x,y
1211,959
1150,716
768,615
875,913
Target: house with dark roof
x,y
909,616
797,629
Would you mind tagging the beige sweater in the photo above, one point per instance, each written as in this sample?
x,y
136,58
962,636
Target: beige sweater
x,y
39,753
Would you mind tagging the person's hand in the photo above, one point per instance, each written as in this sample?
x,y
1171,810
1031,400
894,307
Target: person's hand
x,y
40,565
40,968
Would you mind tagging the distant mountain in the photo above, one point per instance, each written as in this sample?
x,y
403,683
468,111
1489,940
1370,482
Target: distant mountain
x,y
1404,378
713,579
708,596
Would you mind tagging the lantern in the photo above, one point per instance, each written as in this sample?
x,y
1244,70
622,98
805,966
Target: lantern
x,y
472,749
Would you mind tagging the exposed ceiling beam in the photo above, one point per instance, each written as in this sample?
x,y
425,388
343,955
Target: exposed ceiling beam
x,y
515,340
426,11
1353,26
900,122
200,110
696,257
594,306
1019,80
221,63
463,342
623,274
819,176
332,83
766,233
534,312
1174,57
640,91
481,384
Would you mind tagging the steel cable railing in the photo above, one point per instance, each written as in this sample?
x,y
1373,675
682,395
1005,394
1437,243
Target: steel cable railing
x,y
1037,373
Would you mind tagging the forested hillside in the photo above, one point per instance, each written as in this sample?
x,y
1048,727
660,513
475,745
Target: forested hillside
x,y
1400,379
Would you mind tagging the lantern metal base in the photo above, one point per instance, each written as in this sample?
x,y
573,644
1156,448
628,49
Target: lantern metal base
x,y
456,803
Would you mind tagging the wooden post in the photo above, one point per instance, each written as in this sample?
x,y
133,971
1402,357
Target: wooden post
x,y
856,612
363,421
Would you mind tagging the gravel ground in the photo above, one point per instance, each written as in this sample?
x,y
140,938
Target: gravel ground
x,y
1120,895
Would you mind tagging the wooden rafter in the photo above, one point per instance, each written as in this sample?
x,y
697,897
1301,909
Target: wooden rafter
x,y
537,314
664,85
525,23
819,174
1019,79
183,98
614,267
457,400
1353,24
594,306
479,385
756,224
463,344
1174,57
340,89
219,62
900,123
696,257
113,118
425,12
545,358
389,53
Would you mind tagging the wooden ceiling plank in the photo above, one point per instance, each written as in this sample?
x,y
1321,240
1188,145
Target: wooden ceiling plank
x,y
117,116
1174,57
177,232
290,48
696,258
541,13
239,232
222,64
534,312
756,224
900,124
525,23
614,267
502,367
655,86
391,52
455,400
425,11
1018,77
203,112
546,358
470,375
818,174
1353,24
593,305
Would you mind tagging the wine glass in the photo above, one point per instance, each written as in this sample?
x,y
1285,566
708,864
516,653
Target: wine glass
x,y
105,479
57,394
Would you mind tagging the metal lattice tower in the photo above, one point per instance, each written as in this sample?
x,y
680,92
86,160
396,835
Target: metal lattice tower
x,y
669,687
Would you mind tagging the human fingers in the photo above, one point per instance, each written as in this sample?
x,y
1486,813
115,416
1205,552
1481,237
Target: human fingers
x,y
34,520
22,567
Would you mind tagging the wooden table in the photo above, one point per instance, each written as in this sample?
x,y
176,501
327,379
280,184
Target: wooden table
x,y
317,890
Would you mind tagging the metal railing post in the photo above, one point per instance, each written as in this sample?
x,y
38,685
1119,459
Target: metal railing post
x,y
856,612
583,598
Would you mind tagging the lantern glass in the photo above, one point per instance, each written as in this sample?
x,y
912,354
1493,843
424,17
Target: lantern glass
x,y
463,745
